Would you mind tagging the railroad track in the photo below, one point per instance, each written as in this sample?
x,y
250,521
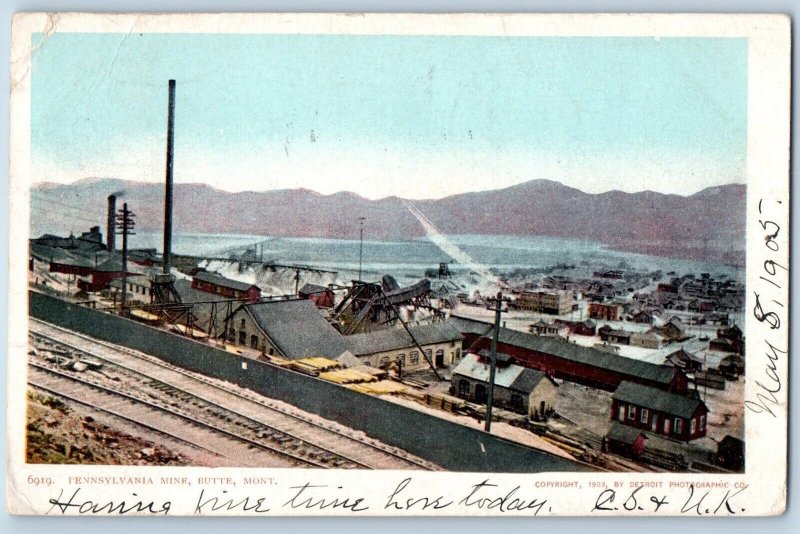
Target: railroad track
x,y
251,409
153,416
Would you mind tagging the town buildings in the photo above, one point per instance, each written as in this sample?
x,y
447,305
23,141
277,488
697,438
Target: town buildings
x,y
219,285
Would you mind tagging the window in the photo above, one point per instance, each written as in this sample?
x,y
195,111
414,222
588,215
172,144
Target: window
x,y
243,324
516,401
271,351
242,337
621,413
254,341
232,334
645,413
631,413
667,425
702,423
401,360
692,426
678,425
384,362
414,359
429,354
463,387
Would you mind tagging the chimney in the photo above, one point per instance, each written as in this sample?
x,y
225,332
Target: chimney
x,y
168,191
111,227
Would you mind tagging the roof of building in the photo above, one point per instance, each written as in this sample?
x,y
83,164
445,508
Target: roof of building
x,y
470,326
512,377
390,339
658,400
297,329
213,278
624,433
59,255
619,333
132,278
111,265
309,289
663,374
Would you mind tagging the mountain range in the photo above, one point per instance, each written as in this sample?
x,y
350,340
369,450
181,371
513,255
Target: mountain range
x,y
709,224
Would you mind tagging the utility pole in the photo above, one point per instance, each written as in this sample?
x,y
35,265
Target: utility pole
x,y
360,245
493,360
125,225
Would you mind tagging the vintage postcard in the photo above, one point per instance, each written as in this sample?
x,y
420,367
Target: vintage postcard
x,y
307,264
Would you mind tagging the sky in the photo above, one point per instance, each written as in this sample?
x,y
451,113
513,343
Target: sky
x,y
412,116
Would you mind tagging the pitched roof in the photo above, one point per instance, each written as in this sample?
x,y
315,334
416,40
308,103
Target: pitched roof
x,y
297,329
309,289
623,433
213,278
512,377
658,400
397,338
662,374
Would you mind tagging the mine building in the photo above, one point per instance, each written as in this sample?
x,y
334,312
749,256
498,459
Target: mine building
x,y
139,288
568,361
440,341
321,296
100,276
517,389
291,329
681,417
219,285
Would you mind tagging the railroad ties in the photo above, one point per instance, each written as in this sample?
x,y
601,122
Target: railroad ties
x,y
236,423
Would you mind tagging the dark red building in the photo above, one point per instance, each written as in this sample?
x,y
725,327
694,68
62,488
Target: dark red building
x,y
219,285
321,296
607,312
102,275
569,361
582,328
678,416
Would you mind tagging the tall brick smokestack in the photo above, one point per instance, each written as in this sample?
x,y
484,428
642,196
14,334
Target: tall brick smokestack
x,y
110,228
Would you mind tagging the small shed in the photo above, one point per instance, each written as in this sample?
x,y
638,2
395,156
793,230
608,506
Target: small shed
x,y
730,453
625,440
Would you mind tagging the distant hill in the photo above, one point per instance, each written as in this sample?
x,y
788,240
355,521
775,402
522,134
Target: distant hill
x,y
709,224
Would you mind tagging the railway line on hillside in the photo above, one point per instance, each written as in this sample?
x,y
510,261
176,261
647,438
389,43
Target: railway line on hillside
x,y
182,405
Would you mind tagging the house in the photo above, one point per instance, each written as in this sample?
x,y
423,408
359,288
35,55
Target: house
x,y
321,296
729,340
648,340
441,343
611,335
732,366
672,330
606,312
517,389
711,378
219,285
582,328
677,416
291,329
541,328
643,317
682,359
